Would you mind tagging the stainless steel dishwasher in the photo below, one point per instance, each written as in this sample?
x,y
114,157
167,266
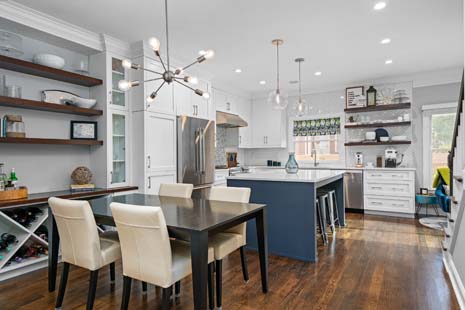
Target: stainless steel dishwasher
x,y
353,190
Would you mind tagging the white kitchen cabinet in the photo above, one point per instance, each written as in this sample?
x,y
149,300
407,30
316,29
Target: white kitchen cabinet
x,y
153,181
391,191
244,110
154,149
118,99
268,126
190,104
224,102
118,157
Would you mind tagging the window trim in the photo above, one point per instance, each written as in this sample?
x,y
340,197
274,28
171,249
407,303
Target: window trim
x,y
427,113
290,135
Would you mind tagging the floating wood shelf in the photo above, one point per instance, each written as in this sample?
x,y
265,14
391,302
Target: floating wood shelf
x,y
50,141
387,124
46,106
376,143
27,67
386,107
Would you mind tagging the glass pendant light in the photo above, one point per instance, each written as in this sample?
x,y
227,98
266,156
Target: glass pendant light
x,y
300,107
277,99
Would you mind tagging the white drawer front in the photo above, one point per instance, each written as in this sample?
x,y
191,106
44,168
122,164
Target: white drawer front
x,y
398,204
389,188
393,175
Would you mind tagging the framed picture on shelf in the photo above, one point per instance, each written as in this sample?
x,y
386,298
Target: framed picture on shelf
x,y
355,97
83,130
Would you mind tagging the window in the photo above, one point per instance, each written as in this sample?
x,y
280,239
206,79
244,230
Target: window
x,y
320,136
438,125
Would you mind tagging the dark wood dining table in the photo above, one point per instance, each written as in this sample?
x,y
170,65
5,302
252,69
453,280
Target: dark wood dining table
x,y
192,219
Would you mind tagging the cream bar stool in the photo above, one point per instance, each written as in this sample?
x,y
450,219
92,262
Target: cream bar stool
x,y
148,253
81,245
230,240
176,190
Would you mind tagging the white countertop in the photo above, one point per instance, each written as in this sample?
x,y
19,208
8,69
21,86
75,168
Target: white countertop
x,y
280,175
334,168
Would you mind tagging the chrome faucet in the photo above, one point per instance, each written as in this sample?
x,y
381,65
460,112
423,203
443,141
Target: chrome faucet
x,y
313,154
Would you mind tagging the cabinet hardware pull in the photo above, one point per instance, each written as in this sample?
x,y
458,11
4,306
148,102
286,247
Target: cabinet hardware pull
x,y
376,187
240,139
377,203
228,106
149,162
111,177
150,182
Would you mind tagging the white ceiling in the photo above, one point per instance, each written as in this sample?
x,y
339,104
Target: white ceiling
x,y
340,38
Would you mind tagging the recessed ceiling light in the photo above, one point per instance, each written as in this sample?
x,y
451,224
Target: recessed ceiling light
x,y
318,73
238,71
379,6
342,97
388,61
385,41
262,82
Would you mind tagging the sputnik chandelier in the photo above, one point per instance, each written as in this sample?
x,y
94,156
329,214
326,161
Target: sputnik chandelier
x,y
168,76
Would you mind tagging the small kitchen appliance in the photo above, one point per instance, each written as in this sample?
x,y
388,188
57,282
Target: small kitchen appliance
x,y
231,158
359,159
391,161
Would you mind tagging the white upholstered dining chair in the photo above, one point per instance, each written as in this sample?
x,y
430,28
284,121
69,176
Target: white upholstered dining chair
x,y
148,253
226,242
81,244
180,190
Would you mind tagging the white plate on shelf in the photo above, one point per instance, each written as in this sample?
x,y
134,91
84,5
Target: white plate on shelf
x,y
399,138
49,60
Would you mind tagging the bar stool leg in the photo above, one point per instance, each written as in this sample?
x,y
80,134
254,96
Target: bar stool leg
x,y
336,210
330,213
322,205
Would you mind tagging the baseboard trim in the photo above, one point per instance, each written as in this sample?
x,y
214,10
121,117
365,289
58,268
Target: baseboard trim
x,y
454,277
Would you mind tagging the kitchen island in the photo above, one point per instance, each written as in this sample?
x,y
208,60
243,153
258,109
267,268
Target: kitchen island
x,y
291,209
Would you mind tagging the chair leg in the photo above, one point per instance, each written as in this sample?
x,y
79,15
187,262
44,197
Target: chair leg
x,y
126,292
166,298
177,289
245,271
64,280
92,289
211,293
112,272
144,287
219,284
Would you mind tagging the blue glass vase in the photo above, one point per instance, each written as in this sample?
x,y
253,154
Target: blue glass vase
x,y
292,166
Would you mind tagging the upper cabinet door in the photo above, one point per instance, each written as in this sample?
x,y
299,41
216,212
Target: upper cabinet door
x,y
220,100
201,105
118,160
183,100
164,102
118,99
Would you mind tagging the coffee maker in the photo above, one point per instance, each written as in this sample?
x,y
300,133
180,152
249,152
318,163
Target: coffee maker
x,y
359,159
390,158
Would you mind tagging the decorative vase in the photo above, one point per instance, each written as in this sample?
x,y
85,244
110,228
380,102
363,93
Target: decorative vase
x,y
291,165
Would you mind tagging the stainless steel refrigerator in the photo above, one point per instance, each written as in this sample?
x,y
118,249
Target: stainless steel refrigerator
x,y
196,152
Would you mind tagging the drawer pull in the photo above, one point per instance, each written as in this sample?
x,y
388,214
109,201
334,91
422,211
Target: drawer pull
x,y
377,203
376,175
397,205
376,187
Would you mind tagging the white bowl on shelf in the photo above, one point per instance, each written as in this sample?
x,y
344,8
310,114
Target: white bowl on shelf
x,y
49,60
384,139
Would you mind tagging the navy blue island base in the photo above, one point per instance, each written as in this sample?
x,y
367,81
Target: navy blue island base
x,y
291,213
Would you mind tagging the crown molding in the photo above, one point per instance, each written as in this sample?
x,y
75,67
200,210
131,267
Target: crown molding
x,y
49,25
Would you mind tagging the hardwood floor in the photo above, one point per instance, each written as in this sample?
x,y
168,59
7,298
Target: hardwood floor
x,y
373,263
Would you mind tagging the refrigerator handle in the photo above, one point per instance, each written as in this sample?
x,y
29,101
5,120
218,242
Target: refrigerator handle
x,y
202,145
196,151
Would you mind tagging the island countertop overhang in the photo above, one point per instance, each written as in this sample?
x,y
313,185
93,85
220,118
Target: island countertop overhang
x,y
302,176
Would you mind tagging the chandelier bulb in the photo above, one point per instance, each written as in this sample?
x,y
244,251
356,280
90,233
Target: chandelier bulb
x,y
154,44
126,63
178,71
124,85
152,97
206,95
209,54
191,79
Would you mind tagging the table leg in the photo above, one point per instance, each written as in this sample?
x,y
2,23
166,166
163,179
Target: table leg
x,y
54,244
199,257
339,187
262,247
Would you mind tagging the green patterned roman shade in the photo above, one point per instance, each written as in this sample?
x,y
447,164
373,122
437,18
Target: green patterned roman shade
x,y
317,127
